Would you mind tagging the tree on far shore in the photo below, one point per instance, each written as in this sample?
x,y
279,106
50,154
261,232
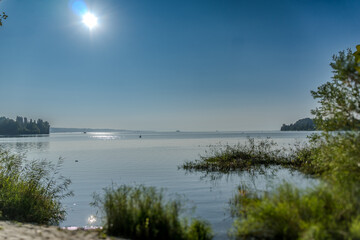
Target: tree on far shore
x,y
305,124
23,126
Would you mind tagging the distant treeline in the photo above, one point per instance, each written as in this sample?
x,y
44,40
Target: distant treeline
x,y
23,126
305,124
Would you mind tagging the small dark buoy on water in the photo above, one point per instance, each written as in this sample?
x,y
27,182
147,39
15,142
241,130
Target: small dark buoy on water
x,y
139,136
76,160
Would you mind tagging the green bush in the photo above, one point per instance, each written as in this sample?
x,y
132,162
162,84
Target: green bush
x,y
337,157
140,212
198,230
290,213
30,191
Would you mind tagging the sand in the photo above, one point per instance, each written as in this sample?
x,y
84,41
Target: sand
x,y
20,231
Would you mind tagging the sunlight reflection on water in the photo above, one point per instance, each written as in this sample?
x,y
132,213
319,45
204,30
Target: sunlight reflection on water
x,y
105,137
91,220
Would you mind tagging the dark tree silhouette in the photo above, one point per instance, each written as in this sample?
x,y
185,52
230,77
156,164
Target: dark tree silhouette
x,y
305,124
23,126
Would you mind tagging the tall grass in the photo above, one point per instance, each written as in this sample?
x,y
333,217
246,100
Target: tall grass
x,y
140,212
30,191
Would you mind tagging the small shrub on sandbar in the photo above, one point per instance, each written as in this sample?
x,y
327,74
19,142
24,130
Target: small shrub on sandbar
x,y
251,155
140,212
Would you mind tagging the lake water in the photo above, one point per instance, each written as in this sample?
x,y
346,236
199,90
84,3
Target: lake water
x,y
96,160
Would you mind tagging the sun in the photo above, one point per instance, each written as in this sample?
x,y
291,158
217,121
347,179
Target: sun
x,y
90,20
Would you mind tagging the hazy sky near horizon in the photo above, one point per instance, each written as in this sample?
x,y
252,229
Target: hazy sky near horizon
x,y
167,65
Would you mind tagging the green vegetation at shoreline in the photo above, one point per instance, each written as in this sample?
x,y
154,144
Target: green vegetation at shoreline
x,y
327,211
31,191
22,126
140,212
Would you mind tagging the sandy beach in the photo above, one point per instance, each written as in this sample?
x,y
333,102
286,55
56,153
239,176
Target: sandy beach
x,y
21,231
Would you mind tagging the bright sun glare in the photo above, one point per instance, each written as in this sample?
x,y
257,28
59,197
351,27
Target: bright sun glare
x,y
90,20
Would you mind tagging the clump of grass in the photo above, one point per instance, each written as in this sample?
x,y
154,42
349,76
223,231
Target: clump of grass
x,y
140,212
251,155
30,191
325,212
286,213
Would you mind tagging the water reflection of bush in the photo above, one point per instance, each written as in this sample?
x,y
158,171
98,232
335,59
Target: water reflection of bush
x,y
24,147
260,180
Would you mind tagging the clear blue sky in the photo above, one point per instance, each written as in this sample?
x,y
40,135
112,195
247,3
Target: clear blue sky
x,y
167,65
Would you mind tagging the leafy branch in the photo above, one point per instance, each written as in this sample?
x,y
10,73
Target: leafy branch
x,y
3,16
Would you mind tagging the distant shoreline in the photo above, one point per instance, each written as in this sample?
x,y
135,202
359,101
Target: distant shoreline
x,y
69,130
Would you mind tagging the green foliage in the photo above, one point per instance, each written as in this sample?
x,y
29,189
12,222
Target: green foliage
x,y
355,228
3,16
280,215
198,230
357,58
325,212
30,191
23,126
337,157
290,213
140,212
340,98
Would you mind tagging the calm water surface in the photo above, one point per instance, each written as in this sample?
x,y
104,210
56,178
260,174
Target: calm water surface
x,y
152,160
